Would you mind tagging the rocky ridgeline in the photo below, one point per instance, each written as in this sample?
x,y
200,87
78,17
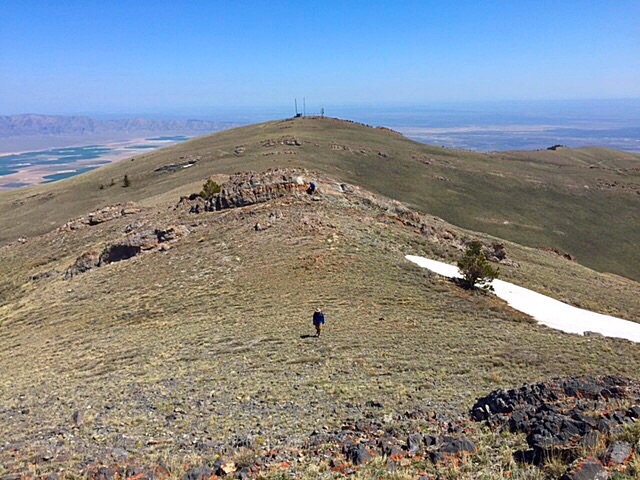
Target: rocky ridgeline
x,y
136,242
565,417
249,188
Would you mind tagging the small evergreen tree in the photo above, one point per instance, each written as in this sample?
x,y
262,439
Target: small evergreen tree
x,y
475,268
209,189
125,181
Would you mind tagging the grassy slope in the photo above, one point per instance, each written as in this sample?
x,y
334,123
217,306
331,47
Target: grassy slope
x,y
533,198
211,330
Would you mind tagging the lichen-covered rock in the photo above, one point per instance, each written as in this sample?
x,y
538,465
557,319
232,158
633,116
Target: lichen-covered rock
x,y
618,453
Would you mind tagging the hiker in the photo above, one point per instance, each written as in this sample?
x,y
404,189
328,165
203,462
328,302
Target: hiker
x,y
318,320
312,188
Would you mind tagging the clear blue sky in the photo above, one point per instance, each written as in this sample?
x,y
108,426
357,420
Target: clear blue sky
x,y
143,56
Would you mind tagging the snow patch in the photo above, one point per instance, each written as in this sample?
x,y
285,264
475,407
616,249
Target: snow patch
x,y
546,310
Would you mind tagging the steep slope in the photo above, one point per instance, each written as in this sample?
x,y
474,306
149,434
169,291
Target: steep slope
x,y
200,338
582,201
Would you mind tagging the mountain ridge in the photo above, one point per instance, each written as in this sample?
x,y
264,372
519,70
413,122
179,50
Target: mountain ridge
x,y
163,335
583,201
40,124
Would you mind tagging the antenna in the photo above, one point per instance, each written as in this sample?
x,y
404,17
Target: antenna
x,y
304,106
322,112
296,100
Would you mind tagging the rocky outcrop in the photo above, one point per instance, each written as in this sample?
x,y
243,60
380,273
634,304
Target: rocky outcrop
x,y
174,167
133,244
244,189
565,255
249,188
563,414
496,252
105,214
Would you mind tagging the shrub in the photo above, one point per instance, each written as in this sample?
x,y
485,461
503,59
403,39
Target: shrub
x,y
209,189
125,181
475,268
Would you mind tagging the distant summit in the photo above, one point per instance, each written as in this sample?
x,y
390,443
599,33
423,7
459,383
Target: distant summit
x,y
36,124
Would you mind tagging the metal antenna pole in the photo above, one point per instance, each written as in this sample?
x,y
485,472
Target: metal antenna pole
x,y
304,106
296,100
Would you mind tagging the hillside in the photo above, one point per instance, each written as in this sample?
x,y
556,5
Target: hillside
x,y
581,201
145,334
156,336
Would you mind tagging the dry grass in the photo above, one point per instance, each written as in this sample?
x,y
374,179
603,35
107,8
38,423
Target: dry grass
x,y
207,341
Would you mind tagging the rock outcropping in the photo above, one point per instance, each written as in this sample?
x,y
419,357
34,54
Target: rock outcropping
x,y
133,244
248,188
562,415
105,214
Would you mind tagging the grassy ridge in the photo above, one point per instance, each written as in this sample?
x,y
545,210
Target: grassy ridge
x,y
583,201
208,341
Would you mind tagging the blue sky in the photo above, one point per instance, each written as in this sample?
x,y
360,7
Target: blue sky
x,y
157,56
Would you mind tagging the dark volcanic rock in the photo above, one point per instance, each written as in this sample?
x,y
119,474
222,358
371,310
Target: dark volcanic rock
x,y
199,473
358,454
457,445
78,418
618,453
587,469
562,413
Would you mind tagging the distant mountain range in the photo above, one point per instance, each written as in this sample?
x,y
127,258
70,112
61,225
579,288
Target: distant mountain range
x,y
35,124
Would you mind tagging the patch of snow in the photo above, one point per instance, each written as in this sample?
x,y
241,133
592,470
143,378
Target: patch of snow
x,y
546,310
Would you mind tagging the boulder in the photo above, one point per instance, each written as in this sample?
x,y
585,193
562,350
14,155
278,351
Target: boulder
x,y
199,473
618,453
414,443
358,454
588,469
451,445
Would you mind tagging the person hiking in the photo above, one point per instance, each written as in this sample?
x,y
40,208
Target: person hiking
x,y
318,320
312,188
